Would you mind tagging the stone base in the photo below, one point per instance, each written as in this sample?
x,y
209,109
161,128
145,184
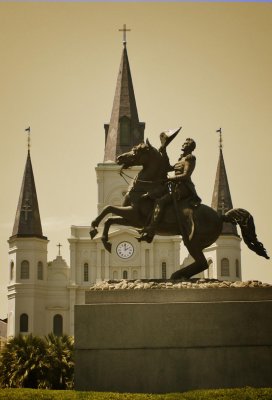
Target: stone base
x,y
177,340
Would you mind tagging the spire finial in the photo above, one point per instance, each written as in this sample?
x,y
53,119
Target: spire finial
x,y
59,246
124,30
28,138
220,138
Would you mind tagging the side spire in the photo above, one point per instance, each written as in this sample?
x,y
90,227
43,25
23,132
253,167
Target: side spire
x,y
27,220
221,199
124,130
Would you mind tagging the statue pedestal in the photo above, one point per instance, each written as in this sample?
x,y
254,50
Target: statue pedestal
x,y
171,340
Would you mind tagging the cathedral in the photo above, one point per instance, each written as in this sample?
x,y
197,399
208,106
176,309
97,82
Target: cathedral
x,y
42,294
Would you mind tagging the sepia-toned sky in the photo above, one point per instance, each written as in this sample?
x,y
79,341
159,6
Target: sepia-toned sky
x,y
199,65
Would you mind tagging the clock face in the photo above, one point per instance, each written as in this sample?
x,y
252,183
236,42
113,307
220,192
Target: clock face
x,y
124,249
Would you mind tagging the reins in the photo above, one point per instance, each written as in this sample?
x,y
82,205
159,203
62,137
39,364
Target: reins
x,y
123,174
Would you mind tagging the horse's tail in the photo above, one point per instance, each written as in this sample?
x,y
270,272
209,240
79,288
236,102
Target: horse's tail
x,y
245,220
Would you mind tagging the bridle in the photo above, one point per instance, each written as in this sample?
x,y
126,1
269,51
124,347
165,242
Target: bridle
x,y
123,175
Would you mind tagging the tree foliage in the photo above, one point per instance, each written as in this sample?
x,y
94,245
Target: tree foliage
x,y
29,361
59,361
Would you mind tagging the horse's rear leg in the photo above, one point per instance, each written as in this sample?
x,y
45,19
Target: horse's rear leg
x,y
199,265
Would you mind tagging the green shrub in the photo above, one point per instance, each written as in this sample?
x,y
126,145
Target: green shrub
x,y
21,362
33,362
59,362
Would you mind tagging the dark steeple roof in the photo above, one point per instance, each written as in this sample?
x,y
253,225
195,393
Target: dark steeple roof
x,y
124,129
221,200
27,220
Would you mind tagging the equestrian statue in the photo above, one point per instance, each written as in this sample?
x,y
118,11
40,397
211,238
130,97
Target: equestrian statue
x,y
156,204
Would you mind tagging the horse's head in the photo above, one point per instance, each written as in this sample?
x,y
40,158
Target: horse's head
x,y
142,154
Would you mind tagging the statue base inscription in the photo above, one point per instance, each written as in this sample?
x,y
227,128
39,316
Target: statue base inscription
x,y
171,340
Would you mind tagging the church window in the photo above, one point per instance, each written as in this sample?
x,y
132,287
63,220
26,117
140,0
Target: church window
x,y
12,271
115,275
58,325
135,274
237,268
23,323
225,267
125,274
86,272
147,269
210,269
163,270
40,271
25,269
125,131
103,264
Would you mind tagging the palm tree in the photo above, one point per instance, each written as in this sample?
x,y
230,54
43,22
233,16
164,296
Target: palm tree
x,y
59,361
21,362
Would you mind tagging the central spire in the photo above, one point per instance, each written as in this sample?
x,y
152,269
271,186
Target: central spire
x,y
124,130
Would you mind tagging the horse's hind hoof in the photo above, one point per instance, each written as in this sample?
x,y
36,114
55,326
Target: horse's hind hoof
x,y
93,232
146,238
177,276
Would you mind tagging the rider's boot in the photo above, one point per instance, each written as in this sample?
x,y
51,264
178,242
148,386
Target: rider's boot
x,y
148,232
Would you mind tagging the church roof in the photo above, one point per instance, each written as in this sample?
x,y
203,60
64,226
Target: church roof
x,y
124,130
27,220
221,199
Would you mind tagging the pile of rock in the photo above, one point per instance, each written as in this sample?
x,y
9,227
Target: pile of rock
x,y
139,284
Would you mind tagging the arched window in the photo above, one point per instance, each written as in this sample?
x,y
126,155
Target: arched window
x,y
147,263
125,274
115,275
210,269
125,131
135,274
40,271
23,323
25,269
86,272
163,270
225,267
11,270
58,325
237,268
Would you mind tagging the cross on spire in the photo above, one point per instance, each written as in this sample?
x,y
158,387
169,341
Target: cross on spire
x,y
26,208
59,246
124,30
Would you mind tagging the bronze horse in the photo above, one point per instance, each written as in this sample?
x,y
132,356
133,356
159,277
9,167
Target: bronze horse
x,y
136,210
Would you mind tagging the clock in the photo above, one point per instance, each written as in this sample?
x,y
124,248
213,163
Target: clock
x,y
124,250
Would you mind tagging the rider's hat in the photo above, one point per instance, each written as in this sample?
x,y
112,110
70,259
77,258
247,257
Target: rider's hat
x,y
166,137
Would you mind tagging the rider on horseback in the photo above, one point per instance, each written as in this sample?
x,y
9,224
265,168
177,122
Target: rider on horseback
x,y
178,188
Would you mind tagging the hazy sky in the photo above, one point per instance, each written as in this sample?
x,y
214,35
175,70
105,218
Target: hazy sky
x,y
199,65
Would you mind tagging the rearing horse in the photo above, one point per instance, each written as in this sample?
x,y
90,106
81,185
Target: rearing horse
x,y
136,210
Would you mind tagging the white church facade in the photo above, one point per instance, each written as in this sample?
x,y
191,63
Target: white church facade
x,y
42,294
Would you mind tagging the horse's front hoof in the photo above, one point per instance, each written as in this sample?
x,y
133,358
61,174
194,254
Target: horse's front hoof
x,y
93,232
107,245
